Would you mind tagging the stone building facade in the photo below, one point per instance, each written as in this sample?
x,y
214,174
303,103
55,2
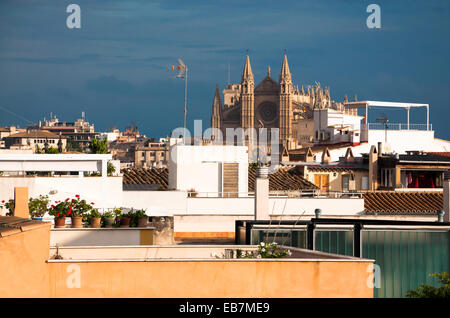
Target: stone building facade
x,y
272,104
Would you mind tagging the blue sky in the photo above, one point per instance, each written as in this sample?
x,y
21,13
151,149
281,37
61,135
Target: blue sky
x,y
116,67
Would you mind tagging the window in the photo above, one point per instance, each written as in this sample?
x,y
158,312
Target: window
x,y
365,183
387,179
345,182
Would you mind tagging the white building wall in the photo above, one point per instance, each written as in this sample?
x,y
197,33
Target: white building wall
x,y
104,192
399,141
328,119
200,167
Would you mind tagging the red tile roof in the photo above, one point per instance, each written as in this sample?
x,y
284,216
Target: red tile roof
x,y
441,154
146,176
284,179
35,134
10,225
394,202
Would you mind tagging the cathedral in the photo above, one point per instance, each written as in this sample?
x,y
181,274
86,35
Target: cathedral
x,y
272,104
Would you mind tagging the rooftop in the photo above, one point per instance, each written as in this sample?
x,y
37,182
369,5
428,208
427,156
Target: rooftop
x,y
148,253
10,225
35,134
392,202
284,179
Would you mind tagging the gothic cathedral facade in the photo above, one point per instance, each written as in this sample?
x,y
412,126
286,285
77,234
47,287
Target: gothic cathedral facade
x,y
271,104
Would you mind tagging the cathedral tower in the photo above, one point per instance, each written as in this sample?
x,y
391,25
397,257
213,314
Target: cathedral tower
x,y
286,91
216,117
248,97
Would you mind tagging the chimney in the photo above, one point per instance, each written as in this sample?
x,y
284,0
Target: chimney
x,y
262,194
21,209
317,212
441,214
446,194
373,169
380,148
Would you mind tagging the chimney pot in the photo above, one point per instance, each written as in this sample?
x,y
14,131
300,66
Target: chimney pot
x,y
441,214
317,212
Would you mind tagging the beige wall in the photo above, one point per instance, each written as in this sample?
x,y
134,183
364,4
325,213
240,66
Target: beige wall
x,y
23,268
213,279
336,180
25,273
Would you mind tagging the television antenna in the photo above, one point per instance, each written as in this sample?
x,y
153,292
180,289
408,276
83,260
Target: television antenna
x,y
383,119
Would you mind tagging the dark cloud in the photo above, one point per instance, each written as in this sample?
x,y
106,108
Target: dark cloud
x,y
116,67
109,84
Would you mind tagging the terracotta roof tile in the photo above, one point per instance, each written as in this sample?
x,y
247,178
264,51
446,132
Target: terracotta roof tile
x,y
10,225
146,176
35,134
441,154
284,179
394,202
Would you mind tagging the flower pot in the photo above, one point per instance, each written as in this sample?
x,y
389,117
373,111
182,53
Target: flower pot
x,y
125,221
77,222
109,222
143,221
95,222
60,223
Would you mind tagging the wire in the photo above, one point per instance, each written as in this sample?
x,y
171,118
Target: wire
x,y
279,223
15,114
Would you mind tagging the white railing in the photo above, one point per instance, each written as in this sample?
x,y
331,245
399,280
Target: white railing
x,y
399,126
289,194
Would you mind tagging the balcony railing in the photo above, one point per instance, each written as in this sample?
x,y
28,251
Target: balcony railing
x,y
399,126
290,194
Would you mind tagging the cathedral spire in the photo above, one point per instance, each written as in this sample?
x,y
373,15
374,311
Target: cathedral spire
x,y
247,74
285,75
216,110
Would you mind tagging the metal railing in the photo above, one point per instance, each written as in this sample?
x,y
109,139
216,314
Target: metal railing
x,y
280,194
399,126
405,252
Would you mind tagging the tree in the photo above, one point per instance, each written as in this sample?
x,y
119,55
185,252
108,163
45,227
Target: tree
x,y
99,146
51,150
427,291
72,145
110,169
38,206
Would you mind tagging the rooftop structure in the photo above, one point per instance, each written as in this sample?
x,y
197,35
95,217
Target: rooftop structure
x,y
403,203
405,252
32,270
36,140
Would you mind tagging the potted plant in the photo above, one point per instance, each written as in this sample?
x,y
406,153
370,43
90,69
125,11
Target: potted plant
x,y
60,211
38,207
108,218
192,193
78,208
8,205
95,218
141,217
125,219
